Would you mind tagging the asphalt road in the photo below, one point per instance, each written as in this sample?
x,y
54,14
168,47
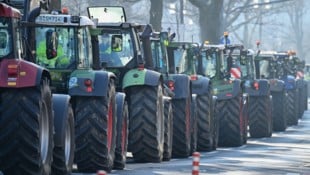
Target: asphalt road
x,y
285,153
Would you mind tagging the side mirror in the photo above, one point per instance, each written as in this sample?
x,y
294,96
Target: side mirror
x,y
117,43
51,44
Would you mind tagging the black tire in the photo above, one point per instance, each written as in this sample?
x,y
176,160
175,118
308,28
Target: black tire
x,y
146,123
292,108
279,111
193,123
181,128
260,116
121,138
95,127
26,127
230,130
63,155
205,123
168,130
216,125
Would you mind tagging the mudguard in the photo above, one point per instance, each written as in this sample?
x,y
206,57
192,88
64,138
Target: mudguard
x,y
61,103
263,90
230,91
276,85
136,77
201,85
290,82
23,73
181,85
99,82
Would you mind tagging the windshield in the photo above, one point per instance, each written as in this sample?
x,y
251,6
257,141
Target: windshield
x,y
64,47
5,37
209,64
264,68
180,59
158,56
115,57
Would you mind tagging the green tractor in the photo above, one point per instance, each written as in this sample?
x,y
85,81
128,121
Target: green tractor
x,y
268,67
217,63
260,99
127,53
62,44
183,60
36,126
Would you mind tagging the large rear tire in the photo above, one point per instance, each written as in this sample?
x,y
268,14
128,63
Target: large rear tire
x,y
95,128
63,155
260,116
279,111
231,122
181,128
168,130
122,137
146,123
26,130
292,117
205,123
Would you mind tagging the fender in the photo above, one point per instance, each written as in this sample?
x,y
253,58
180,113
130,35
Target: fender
x,y
136,77
276,85
290,82
228,91
263,87
18,73
98,80
181,85
201,85
61,105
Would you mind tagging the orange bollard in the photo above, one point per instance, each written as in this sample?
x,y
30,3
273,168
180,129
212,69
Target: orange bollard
x,y
101,172
196,159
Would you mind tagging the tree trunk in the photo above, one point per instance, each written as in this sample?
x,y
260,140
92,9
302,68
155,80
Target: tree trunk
x,y
156,13
210,19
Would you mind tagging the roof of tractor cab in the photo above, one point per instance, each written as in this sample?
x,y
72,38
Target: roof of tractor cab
x,y
64,20
8,11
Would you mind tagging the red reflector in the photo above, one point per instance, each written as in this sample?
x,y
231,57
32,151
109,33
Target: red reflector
x,y
194,77
229,95
141,67
12,70
171,85
256,85
88,82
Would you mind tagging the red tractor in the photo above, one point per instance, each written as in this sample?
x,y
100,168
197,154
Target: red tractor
x,y
35,126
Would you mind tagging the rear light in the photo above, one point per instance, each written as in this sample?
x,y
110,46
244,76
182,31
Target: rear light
x,y
194,77
12,70
141,67
171,85
228,95
88,83
256,85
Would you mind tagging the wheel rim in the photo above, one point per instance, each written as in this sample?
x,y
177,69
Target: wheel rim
x,y
68,143
44,133
110,125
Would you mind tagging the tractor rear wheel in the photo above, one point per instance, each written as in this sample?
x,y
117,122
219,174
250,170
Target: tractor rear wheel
x,y
205,123
122,137
231,121
26,127
292,117
260,117
193,123
168,130
181,127
279,111
146,123
63,154
95,128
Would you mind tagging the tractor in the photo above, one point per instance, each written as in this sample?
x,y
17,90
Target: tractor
x,y
268,67
183,58
217,63
260,99
127,53
36,126
62,43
